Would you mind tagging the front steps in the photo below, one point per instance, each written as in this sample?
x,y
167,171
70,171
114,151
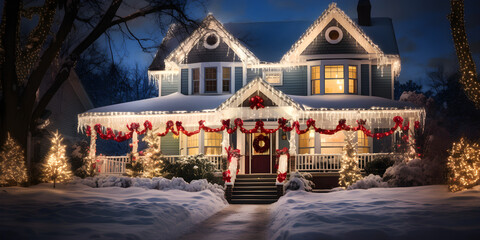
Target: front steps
x,y
254,189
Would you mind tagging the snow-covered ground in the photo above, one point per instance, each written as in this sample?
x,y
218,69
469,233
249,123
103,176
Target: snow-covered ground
x,y
428,212
80,212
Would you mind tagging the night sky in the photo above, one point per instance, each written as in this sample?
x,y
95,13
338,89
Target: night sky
x,y
421,26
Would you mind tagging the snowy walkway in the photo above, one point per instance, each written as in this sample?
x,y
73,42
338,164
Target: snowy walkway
x,y
234,222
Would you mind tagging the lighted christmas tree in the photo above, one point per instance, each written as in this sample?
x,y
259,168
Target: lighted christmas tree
x,y
463,165
12,164
153,157
56,168
349,172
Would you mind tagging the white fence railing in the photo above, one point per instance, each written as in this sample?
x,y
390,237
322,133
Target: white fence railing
x,y
331,162
116,165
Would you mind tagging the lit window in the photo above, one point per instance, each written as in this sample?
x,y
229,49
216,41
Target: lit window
x,y
334,82
273,77
307,142
315,80
332,144
363,146
196,80
226,79
352,79
211,79
213,143
192,145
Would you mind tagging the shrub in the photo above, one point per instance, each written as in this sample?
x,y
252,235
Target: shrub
x,y
378,166
370,181
190,168
299,181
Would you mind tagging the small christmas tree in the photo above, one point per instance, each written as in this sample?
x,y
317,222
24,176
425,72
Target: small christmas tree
x,y
12,164
463,165
349,172
56,168
153,159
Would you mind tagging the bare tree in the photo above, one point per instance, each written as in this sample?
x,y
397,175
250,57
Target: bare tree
x,y
64,30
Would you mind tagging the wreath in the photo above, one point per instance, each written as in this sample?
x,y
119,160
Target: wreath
x,y
266,143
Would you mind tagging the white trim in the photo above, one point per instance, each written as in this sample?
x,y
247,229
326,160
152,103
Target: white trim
x,y
208,46
334,41
270,71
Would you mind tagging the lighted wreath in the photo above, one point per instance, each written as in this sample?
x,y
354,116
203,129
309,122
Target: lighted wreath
x,y
261,143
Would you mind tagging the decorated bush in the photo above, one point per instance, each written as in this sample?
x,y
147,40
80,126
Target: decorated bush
x,y
56,167
12,164
190,168
463,165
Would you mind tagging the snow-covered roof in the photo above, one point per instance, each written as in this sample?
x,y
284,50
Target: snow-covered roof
x,y
170,103
348,102
178,103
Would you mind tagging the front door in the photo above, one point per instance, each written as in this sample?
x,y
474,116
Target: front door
x,y
261,152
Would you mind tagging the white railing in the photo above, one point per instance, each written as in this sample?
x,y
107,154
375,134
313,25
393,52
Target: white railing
x,y
113,165
331,162
215,159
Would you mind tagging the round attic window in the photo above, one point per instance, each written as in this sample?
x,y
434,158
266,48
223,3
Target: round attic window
x,y
334,35
211,40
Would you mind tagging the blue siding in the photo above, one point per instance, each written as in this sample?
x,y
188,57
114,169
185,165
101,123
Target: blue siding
x,y
184,81
382,81
294,81
321,46
170,86
222,53
283,143
238,78
365,80
253,73
170,145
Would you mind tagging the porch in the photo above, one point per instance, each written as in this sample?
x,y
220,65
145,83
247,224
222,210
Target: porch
x,y
312,163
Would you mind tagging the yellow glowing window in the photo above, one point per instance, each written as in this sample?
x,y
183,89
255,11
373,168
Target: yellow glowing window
x,y
334,82
213,143
226,79
363,146
352,79
332,144
196,80
306,143
315,80
192,145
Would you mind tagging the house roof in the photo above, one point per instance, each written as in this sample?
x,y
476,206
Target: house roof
x,y
177,102
269,41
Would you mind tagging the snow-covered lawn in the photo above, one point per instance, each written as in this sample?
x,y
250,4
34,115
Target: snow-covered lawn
x,y
428,212
80,212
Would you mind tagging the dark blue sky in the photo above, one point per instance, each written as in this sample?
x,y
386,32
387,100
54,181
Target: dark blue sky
x,y
421,27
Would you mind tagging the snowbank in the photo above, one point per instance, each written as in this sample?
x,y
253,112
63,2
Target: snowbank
x,y
154,183
81,212
427,212
370,181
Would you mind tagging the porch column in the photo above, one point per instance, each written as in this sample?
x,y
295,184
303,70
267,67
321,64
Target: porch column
x,y
225,142
93,145
134,142
292,149
242,147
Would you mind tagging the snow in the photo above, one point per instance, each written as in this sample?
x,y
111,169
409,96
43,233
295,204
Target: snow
x,y
173,102
348,101
370,181
427,212
76,211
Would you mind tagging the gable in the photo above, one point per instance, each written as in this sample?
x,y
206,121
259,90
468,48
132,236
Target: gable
x,y
320,45
222,53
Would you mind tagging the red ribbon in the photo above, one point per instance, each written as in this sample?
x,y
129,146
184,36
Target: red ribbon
x,y
256,102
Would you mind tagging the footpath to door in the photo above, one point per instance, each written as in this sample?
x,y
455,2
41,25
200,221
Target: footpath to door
x,y
237,221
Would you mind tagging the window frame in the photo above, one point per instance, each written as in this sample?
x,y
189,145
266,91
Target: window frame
x,y
226,80
190,139
310,139
315,80
325,79
355,80
272,72
210,80
206,140
195,81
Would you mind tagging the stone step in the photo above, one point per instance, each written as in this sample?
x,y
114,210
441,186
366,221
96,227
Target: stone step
x,y
256,176
254,192
254,196
255,180
249,188
254,184
253,201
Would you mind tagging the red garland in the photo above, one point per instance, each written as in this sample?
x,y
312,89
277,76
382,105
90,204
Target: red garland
x,y
256,102
281,176
266,145
226,176
259,127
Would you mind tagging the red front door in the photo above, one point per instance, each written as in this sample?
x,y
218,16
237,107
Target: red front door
x,y
261,159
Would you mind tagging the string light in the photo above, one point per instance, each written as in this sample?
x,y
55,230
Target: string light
x,y
12,164
349,171
468,70
463,165
56,168
153,159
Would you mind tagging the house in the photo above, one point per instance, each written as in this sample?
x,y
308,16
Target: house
x,y
264,86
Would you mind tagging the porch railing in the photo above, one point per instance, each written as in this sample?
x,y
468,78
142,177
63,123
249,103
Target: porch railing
x,y
331,162
116,165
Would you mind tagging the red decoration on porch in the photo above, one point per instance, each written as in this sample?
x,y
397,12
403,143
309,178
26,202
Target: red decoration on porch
x,y
266,143
227,176
232,153
417,125
281,176
256,102
88,131
259,127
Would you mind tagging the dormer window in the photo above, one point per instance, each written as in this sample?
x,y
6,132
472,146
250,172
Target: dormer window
x,y
196,80
334,82
273,77
210,79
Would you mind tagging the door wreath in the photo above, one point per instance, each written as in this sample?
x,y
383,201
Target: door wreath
x,y
261,143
